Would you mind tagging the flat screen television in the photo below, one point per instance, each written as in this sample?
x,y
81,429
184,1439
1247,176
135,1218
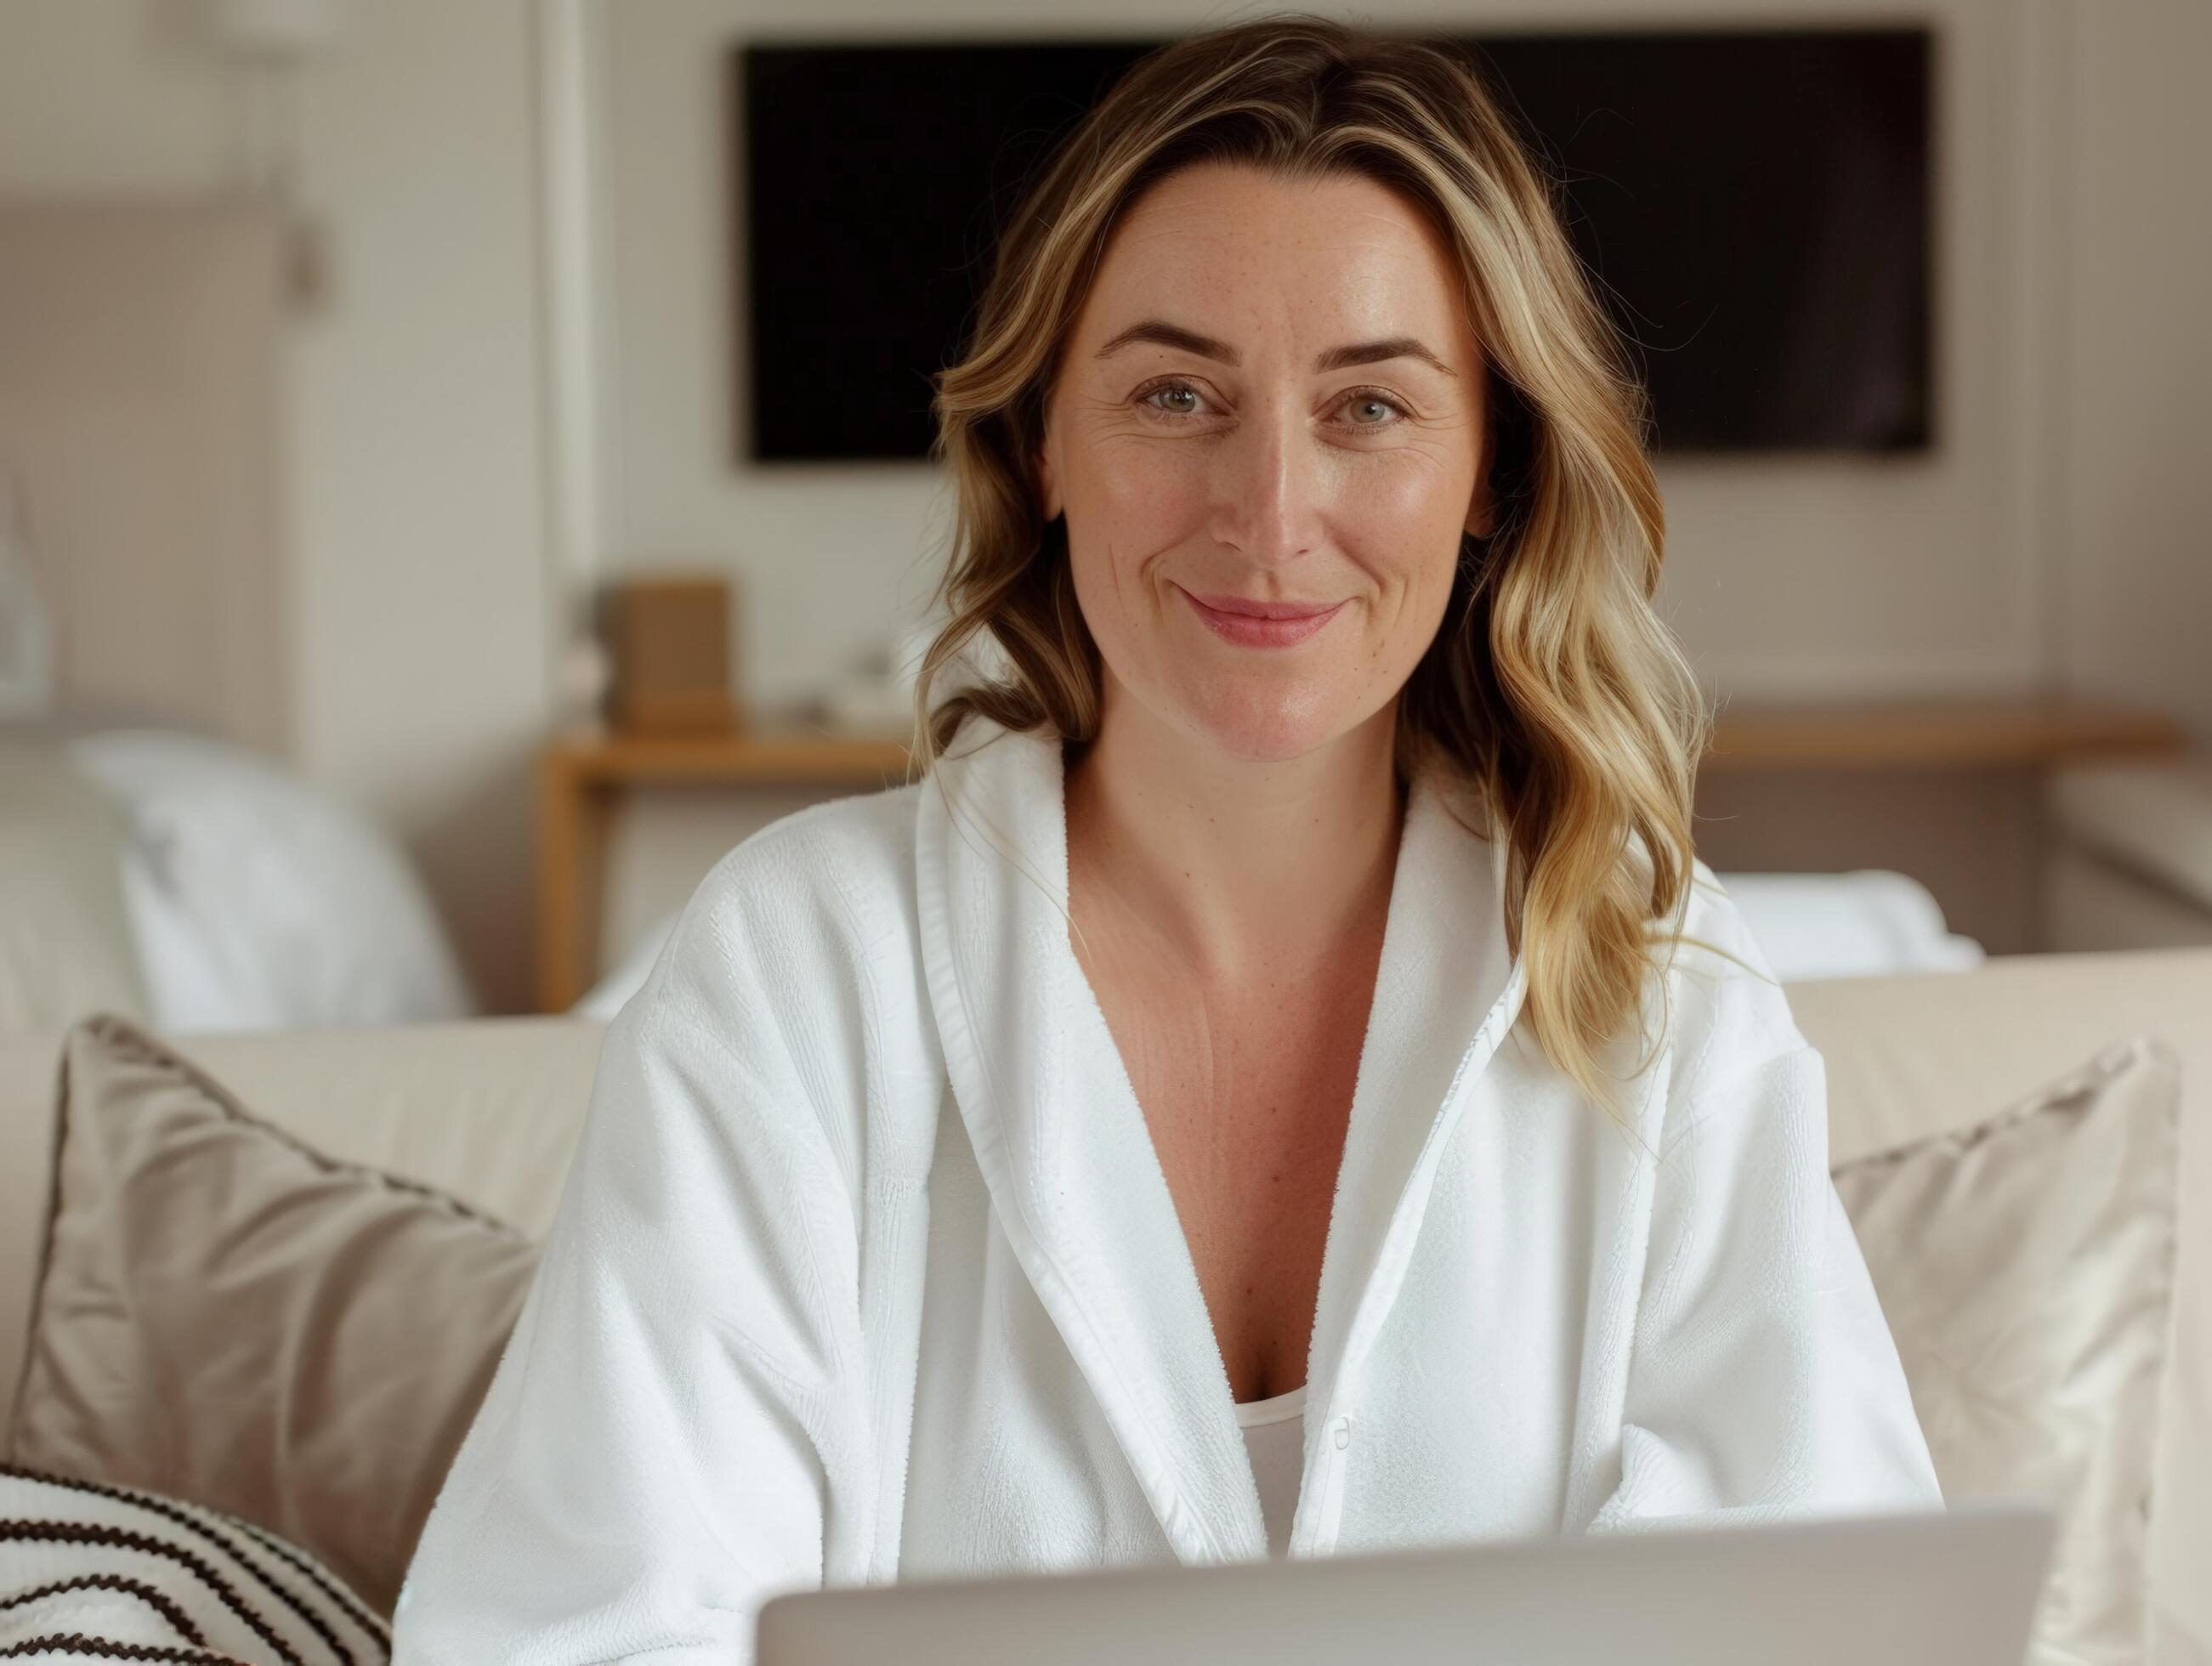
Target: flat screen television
x,y
1753,207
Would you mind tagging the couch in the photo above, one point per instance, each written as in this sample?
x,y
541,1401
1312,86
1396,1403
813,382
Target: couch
x,y
489,1109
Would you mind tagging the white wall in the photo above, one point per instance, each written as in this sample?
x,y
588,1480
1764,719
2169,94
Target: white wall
x,y
105,95
419,590
427,617
2131,450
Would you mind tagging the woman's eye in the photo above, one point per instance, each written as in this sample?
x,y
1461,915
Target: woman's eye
x,y
1176,390
1365,397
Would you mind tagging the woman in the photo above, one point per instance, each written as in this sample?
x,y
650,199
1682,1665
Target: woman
x,y
1289,997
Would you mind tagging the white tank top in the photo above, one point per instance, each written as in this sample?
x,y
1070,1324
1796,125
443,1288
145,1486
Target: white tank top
x,y
1274,1439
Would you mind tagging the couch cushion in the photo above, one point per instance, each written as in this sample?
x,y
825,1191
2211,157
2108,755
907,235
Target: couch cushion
x,y
227,1316
2025,1266
489,1109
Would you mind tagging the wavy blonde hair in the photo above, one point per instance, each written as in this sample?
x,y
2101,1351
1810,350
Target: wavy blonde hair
x,y
1553,685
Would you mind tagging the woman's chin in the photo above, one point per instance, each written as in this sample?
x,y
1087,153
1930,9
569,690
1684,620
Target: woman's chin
x,y
1261,724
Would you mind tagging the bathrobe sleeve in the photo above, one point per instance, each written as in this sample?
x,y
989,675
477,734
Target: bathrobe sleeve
x,y
1763,1381
678,1413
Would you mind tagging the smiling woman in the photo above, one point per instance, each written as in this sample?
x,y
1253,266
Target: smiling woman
x,y
1298,465
1174,1127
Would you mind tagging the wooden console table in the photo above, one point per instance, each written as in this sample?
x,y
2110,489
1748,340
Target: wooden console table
x,y
580,775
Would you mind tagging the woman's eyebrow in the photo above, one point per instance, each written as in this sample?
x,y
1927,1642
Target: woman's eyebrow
x,y
1163,334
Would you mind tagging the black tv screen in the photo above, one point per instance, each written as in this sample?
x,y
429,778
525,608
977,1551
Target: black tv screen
x,y
1752,206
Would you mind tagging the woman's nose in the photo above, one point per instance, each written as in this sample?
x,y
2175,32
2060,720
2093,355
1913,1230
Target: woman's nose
x,y
1268,486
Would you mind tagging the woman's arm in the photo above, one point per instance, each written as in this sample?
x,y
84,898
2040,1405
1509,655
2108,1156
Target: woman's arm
x,y
1762,1380
679,1411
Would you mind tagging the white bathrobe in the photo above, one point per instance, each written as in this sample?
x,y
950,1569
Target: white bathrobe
x,y
866,1267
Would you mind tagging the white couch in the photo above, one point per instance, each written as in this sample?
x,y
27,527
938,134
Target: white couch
x,y
490,1110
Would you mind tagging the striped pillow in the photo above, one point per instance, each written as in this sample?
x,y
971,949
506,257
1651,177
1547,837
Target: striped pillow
x,y
90,1572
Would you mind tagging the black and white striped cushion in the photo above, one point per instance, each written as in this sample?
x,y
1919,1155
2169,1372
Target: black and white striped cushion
x,y
90,1572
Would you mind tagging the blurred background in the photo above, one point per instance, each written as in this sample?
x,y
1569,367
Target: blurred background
x,y
463,462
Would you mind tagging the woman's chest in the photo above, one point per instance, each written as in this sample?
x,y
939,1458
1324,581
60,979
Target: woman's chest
x,y
1048,1382
1245,1095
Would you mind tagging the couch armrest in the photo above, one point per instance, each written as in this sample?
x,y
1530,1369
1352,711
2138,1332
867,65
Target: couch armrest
x,y
2153,820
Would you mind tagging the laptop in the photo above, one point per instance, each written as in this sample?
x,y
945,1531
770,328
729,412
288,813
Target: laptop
x,y
1935,1588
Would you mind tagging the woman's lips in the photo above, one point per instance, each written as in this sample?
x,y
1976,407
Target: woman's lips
x,y
1260,625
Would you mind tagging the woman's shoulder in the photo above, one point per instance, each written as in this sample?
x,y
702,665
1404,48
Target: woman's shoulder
x,y
808,926
852,854
806,929
1711,923
789,994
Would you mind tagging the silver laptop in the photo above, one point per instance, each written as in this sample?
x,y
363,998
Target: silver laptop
x,y
1956,1588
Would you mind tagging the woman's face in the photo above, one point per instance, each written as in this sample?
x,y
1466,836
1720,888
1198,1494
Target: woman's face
x,y
1273,395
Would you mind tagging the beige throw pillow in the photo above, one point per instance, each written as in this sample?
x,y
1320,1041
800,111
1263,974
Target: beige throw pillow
x,y
2025,1266
227,1317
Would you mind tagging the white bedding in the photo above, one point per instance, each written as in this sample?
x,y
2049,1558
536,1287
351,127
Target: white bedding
x,y
1864,923
259,903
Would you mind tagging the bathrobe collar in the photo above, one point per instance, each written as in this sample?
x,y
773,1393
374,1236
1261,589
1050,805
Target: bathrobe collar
x,y
1064,1148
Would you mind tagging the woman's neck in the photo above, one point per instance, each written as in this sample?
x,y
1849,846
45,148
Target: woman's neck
x,y
1234,867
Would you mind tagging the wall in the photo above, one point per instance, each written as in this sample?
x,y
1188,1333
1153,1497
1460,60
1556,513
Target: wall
x,y
426,621
419,589
2133,344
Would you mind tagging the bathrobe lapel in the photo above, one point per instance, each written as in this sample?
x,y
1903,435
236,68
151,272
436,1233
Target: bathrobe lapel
x,y
1073,1176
